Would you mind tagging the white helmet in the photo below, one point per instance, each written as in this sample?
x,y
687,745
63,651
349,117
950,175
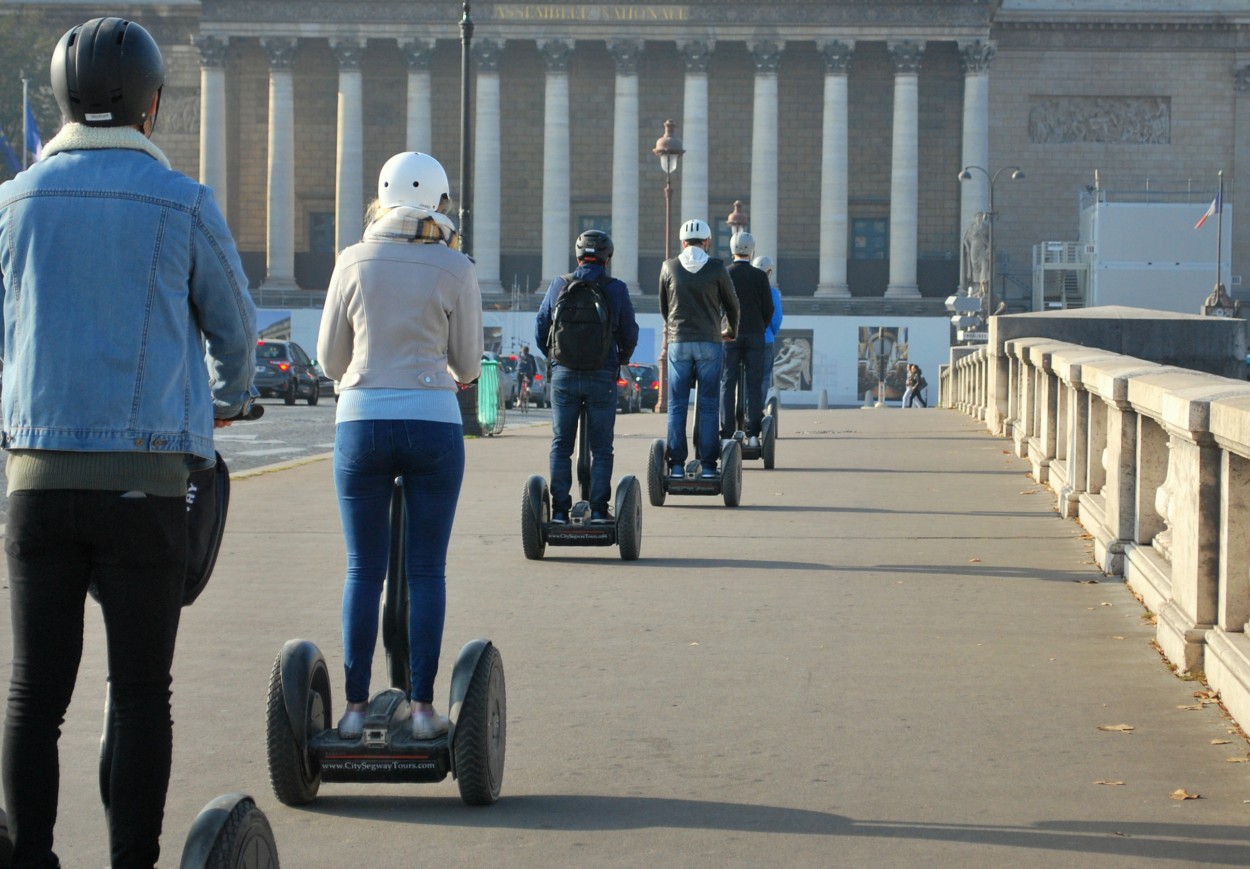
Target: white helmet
x,y
764,264
415,179
742,244
695,230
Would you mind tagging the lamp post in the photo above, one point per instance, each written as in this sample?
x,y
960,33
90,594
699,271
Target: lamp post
x,y
737,220
668,148
466,170
965,175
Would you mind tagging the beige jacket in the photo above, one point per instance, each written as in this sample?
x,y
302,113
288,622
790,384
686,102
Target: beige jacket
x,y
401,315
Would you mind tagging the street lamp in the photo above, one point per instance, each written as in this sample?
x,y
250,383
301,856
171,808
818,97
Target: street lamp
x,y
737,220
1016,174
668,148
466,170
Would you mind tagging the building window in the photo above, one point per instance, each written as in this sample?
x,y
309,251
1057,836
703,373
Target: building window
x,y
321,232
870,238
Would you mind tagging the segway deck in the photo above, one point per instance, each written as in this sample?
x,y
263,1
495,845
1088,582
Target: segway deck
x,y
579,530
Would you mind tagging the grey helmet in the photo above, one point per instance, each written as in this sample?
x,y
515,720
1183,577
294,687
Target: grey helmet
x,y
106,72
742,244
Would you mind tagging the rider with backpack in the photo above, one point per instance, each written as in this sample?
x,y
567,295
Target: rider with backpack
x,y
586,328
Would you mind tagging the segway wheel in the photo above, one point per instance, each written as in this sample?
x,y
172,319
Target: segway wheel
x,y
230,833
657,467
6,844
772,407
535,513
481,732
294,771
731,473
768,442
629,518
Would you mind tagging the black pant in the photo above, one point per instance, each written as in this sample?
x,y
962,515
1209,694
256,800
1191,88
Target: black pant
x,y
134,550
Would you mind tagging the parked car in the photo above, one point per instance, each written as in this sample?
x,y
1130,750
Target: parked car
x,y
507,376
538,388
628,392
648,377
325,383
283,370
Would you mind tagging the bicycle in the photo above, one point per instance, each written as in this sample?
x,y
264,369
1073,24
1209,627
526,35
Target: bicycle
x,y
523,395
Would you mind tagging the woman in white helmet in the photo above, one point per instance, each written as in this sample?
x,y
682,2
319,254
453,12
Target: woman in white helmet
x,y
401,328
766,265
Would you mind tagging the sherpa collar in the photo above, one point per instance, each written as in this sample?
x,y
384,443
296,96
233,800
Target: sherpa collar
x,y
80,137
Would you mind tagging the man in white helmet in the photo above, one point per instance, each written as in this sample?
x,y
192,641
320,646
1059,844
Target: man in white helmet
x,y
700,311
755,300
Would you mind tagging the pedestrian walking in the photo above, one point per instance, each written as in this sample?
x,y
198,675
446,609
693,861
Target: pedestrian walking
x,y
914,387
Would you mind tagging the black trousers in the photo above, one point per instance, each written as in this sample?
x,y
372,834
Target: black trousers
x,y
134,549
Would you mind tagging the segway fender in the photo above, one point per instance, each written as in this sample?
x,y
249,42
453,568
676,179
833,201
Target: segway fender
x,y
299,658
461,676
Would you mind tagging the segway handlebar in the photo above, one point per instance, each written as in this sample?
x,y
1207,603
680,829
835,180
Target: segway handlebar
x,y
250,412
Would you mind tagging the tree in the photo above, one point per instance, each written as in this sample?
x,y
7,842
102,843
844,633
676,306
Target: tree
x,y
26,43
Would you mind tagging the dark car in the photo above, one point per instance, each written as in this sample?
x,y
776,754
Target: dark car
x,y
628,392
283,370
648,377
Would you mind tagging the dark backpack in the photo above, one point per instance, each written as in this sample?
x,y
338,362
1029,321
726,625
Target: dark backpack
x,y
581,324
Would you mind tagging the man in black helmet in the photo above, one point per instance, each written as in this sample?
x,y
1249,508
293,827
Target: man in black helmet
x,y
112,263
586,327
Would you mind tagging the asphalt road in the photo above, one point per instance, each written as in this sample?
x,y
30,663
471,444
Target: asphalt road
x,y
286,434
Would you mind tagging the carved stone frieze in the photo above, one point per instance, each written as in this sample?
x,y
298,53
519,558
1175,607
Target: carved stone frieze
x,y
487,53
213,50
767,55
349,52
1061,120
418,53
837,55
975,57
626,52
906,56
556,54
696,54
280,51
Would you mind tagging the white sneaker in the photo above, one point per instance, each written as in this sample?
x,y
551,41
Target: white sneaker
x,y
428,725
753,442
352,724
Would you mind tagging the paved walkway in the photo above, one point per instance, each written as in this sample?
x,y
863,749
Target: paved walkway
x,y
892,654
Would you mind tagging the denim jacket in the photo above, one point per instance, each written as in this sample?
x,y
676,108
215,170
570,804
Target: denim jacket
x,y
120,281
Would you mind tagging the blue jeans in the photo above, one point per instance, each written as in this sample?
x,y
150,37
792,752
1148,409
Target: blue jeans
x,y
691,362
58,542
570,392
368,456
747,349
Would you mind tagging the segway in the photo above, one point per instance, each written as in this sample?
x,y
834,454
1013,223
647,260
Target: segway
x,y
767,449
303,743
231,832
538,531
727,483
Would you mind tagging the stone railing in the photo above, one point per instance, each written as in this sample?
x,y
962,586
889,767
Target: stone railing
x,y
1139,422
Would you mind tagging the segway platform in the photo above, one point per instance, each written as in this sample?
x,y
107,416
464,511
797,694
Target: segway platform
x,y
767,449
727,483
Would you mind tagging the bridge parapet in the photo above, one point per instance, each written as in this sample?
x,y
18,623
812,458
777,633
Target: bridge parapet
x,y
1150,455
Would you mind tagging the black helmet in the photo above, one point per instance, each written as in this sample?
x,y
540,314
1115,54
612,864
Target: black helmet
x,y
593,245
106,72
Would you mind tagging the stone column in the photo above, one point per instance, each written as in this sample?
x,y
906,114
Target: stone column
x,y
834,185
904,169
974,196
557,237
1240,247
625,154
487,173
349,197
767,57
280,230
693,168
418,52
213,115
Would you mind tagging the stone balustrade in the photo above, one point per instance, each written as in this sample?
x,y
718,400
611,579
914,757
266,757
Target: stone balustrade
x,y
1139,422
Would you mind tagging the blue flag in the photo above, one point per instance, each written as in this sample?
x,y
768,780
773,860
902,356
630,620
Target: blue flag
x,y
11,160
34,145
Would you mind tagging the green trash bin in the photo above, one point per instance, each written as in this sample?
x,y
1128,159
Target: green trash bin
x,y
490,413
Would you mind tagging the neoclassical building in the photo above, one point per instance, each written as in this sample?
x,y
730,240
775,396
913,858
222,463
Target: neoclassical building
x,y
840,125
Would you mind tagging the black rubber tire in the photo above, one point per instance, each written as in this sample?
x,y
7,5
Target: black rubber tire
x,y
245,841
535,514
294,773
731,473
315,395
768,442
629,520
657,467
292,392
482,733
6,844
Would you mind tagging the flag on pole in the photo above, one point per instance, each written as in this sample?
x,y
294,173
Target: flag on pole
x,y
34,145
11,160
1212,209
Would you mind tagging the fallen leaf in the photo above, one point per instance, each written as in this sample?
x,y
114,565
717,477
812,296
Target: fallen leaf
x,y
1182,794
1086,581
1208,696
1104,603
974,561
1237,760
1117,638
1108,782
1220,741
694,644
1190,708
1117,728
